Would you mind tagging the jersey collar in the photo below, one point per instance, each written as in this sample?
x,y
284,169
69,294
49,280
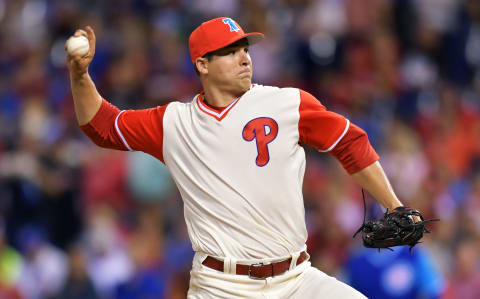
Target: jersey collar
x,y
218,113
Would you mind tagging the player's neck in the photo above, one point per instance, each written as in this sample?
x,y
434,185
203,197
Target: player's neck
x,y
219,98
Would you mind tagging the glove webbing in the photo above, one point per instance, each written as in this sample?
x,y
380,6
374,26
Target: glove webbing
x,y
364,219
420,223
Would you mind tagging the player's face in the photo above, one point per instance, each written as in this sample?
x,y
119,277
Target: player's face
x,y
230,68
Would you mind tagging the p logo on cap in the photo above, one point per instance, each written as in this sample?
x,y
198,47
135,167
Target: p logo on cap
x,y
216,34
231,23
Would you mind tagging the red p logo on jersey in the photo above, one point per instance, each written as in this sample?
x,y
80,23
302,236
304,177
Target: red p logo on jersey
x,y
263,130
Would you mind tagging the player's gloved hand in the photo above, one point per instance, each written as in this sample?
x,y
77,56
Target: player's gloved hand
x,y
78,65
396,228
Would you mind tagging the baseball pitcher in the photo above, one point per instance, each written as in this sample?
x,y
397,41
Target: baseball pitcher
x,y
235,153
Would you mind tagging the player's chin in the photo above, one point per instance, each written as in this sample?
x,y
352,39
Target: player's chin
x,y
245,84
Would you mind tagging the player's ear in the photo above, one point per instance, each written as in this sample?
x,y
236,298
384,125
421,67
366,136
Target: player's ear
x,y
202,65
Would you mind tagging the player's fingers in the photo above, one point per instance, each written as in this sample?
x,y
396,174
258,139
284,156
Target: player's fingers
x,y
69,57
91,39
66,46
71,61
80,32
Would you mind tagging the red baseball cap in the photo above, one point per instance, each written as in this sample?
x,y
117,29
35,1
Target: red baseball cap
x,y
216,34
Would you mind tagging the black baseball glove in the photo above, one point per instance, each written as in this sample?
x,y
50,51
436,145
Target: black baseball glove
x,y
396,228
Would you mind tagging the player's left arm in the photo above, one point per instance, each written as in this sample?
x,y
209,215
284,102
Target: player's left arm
x,y
373,179
332,133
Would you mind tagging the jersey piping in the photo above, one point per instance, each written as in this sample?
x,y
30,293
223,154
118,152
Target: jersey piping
x,y
218,116
120,132
338,140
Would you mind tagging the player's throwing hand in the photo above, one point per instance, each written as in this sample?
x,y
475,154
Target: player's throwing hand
x,y
78,64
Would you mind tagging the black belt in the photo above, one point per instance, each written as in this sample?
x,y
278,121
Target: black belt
x,y
257,271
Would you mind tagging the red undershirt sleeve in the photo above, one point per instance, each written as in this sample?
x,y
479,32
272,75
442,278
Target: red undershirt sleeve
x,y
134,130
331,132
354,151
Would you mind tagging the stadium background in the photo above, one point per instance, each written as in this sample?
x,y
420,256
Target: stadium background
x,y
76,218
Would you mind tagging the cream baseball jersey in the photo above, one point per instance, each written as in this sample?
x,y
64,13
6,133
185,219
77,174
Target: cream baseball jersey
x,y
240,168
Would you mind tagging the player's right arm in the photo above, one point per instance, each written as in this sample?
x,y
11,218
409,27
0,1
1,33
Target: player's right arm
x,y
105,124
87,100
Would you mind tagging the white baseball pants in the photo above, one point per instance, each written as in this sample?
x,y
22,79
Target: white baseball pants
x,y
302,282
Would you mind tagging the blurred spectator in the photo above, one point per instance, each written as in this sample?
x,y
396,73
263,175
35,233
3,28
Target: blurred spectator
x,y
108,263
148,179
10,267
150,277
105,180
405,162
78,284
394,274
464,280
45,267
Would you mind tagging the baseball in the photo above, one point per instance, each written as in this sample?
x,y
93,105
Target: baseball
x,y
78,45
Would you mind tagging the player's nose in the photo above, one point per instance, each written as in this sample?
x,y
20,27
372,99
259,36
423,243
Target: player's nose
x,y
244,58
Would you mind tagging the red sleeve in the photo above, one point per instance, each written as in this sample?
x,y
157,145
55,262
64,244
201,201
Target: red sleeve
x,y
318,127
331,132
354,151
140,130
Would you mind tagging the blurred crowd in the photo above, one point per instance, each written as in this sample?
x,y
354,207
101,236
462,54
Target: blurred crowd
x,y
78,221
